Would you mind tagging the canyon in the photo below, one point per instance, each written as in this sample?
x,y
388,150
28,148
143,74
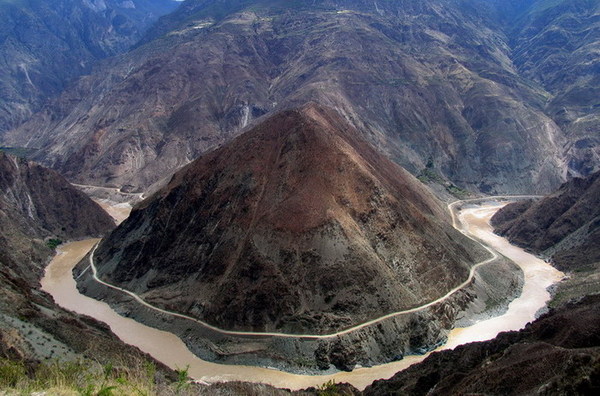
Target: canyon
x,y
473,219
301,193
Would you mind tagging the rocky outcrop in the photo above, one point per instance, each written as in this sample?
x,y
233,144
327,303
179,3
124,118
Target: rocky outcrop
x,y
296,226
420,80
44,45
43,204
564,225
557,354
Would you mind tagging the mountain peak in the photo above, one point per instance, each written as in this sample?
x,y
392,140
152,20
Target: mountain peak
x,y
297,225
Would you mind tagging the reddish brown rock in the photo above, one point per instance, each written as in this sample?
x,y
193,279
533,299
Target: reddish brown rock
x,y
297,225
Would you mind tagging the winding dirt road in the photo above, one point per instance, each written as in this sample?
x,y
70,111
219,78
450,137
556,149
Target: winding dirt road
x,y
169,349
455,223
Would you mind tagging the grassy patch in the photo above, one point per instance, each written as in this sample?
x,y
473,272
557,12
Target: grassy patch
x,y
458,192
88,378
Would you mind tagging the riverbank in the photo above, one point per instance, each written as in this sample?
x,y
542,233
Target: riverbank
x,y
487,291
180,355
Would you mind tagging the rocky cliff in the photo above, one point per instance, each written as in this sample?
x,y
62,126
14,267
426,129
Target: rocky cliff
x,y
298,225
430,81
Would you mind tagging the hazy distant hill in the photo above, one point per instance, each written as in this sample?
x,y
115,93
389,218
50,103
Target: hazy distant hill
x,y
45,44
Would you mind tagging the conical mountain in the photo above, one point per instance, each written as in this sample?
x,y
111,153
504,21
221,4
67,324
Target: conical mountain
x,y
296,225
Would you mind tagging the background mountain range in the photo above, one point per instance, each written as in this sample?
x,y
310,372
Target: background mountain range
x,y
495,96
46,44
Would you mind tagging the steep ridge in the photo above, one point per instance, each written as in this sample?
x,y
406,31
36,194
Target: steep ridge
x,y
298,226
420,80
557,354
564,225
35,204
44,204
45,44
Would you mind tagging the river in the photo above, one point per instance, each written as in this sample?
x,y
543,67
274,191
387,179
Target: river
x,y
169,349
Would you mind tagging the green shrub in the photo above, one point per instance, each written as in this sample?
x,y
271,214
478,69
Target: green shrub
x,y
53,243
329,388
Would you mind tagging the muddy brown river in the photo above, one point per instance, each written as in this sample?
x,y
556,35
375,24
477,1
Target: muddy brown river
x,y
169,349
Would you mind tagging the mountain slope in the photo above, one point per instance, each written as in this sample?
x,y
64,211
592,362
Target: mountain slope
x,y
45,44
421,80
35,204
297,225
557,354
561,224
44,204
556,44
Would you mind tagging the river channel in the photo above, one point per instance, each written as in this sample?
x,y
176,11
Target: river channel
x,y
169,349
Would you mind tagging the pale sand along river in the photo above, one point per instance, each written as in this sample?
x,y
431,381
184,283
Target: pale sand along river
x,y
170,350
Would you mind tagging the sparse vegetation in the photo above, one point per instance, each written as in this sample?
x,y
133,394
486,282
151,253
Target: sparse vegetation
x,y
182,382
329,388
458,192
429,175
53,243
88,378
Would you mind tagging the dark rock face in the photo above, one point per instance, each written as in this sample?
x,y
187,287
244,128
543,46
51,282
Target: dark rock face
x,y
43,204
45,44
297,225
557,354
420,80
564,225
